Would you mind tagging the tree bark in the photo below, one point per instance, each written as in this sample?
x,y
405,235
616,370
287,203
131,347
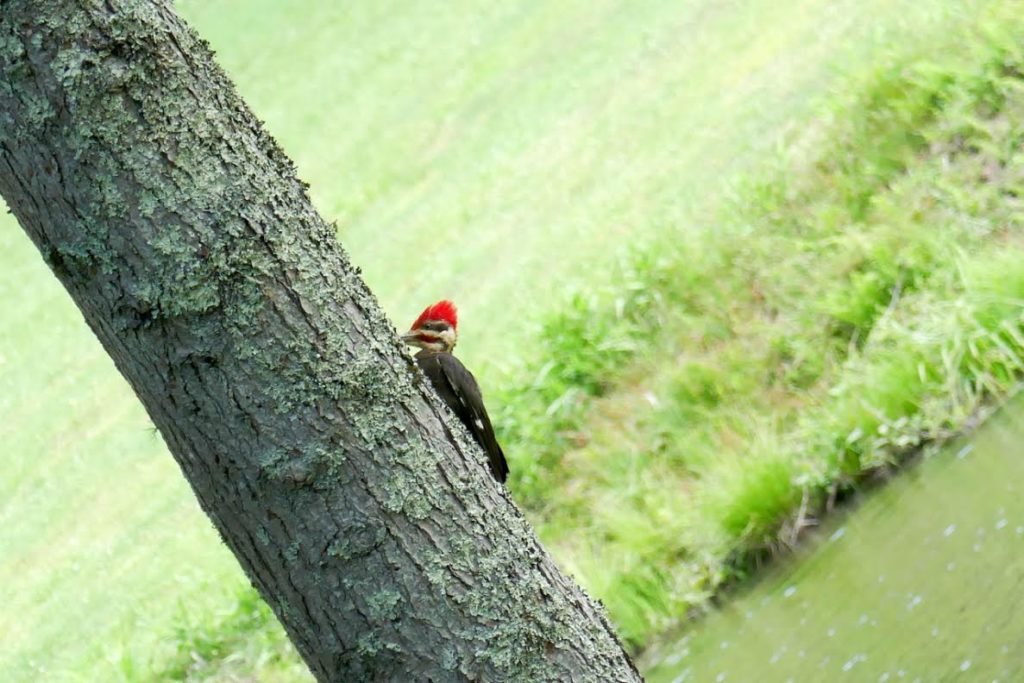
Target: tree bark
x,y
368,522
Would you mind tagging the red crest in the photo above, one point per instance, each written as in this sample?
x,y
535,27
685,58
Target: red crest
x,y
442,310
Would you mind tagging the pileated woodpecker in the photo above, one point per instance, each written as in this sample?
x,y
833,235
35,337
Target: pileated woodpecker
x,y
435,333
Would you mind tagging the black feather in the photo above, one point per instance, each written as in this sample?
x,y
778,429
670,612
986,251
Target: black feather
x,y
458,389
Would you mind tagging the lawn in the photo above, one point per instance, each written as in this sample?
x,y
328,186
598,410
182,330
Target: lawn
x,y
504,155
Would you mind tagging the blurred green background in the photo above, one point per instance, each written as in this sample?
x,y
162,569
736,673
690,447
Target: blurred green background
x,y
716,262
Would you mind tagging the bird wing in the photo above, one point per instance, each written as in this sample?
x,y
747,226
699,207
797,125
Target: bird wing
x,y
471,411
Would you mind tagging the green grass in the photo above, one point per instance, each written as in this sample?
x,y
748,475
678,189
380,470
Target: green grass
x,y
859,298
507,155
229,644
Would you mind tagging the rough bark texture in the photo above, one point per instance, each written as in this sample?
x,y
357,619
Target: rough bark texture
x,y
370,525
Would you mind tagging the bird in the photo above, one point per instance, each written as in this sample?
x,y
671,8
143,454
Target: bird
x,y
435,333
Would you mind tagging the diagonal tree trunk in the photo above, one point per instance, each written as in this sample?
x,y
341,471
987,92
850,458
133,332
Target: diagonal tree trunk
x,y
178,226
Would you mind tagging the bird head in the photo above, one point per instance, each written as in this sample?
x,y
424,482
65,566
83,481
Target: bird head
x,y
435,329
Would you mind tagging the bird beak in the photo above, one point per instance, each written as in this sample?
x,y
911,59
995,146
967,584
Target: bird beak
x,y
411,337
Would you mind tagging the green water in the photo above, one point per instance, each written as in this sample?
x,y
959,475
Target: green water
x,y
923,582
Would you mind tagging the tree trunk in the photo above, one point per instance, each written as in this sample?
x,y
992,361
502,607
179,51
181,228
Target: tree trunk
x,y
369,523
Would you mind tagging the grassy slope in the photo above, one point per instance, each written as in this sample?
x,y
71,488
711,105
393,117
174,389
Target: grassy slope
x,y
540,138
863,297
